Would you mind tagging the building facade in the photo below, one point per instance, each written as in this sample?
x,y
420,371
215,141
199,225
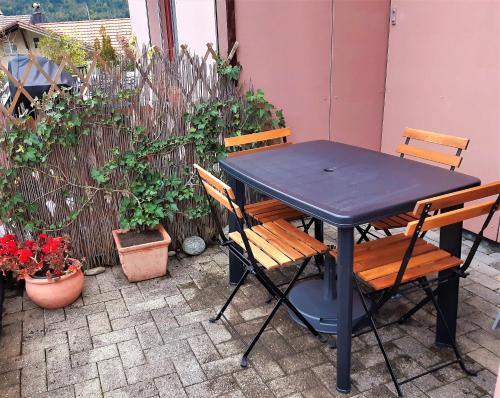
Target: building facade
x,y
168,24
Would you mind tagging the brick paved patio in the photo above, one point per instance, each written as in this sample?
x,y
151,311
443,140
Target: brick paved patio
x,y
152,339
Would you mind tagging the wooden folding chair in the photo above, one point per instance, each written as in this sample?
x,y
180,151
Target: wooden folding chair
x,y
384,266
271,245
452,161
270,209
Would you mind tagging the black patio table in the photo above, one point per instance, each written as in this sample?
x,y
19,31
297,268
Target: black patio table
x,y
346,186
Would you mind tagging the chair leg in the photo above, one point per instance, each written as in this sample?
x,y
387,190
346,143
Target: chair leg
x,y
425,286
379,340
276,292
363,233
293,308
307,225
244,359
231,296
404,318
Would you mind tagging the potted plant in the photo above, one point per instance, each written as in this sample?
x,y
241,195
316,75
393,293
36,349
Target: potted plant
x,y
142,242
53,278
147,199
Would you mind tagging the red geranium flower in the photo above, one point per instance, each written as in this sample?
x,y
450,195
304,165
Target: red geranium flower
x,y
24,255
10,247
29,243
7,238
51,246
40,256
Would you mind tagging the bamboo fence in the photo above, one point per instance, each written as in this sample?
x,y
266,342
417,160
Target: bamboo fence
x,y
165,88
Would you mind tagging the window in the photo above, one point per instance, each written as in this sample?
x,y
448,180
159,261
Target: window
x,y
36,40
9,48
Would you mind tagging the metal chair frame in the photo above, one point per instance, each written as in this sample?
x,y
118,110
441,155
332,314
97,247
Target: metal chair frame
x,y
252,267
424,284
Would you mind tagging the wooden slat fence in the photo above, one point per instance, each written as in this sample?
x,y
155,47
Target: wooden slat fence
x,y
165,90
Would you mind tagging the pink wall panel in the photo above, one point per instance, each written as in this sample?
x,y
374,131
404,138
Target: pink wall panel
x,y
360,39
285,50
330,84
444,75
155,26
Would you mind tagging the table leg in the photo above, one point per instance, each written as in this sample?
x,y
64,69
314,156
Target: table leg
x,y
344,295
236,268
450,239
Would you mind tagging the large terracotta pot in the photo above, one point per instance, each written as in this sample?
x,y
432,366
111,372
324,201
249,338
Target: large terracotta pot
x,y
56,292
145,261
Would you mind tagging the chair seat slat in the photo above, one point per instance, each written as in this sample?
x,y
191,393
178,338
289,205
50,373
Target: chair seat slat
x,y
266,261
375,244
394,266
299,245
416,272
284,214
267,209
278,242
388,258
262,204
268,248
314,243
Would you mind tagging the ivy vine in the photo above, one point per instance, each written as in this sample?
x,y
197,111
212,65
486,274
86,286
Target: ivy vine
x,y
147,196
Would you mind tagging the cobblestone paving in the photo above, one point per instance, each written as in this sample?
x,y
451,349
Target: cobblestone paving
x,y
152,339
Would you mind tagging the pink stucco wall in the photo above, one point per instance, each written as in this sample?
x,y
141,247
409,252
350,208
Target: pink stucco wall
x,y
285,50
358,75
196,25
443,75
325,63
322,61
155,25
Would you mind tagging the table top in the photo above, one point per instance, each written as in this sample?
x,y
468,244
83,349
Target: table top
x,y
342,184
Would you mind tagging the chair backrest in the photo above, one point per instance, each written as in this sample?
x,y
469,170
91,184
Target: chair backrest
x,y
425,222
452,161
455,199
265,140
223,194
218,190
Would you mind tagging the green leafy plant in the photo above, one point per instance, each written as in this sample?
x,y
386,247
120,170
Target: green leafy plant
x,y
206,123
207,120
254,114
65,118
225,69
148,197
62,120
57,47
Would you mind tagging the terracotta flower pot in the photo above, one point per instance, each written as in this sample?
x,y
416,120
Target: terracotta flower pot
x,y
144,261
56,292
